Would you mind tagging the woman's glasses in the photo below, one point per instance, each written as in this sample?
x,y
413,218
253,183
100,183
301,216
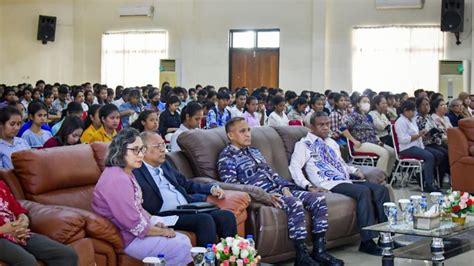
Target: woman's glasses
x,y
137,150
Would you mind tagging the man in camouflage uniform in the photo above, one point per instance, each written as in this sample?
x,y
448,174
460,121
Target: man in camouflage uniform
x,y
239,163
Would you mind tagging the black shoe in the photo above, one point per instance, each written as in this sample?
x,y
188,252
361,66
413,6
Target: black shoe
x,y
431,188
320,254
302,256
369,247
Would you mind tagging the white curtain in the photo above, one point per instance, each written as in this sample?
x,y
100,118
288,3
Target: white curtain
x,y
396,58
132,58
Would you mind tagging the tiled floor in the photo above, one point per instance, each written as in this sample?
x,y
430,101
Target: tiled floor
x,y
351,256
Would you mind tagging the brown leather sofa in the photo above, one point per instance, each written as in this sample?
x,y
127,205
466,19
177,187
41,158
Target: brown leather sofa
x,y
66,176
461,155
198,157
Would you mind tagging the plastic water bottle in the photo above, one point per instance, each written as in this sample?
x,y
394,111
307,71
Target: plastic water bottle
x,y
161,260
423,203
210,257
250,240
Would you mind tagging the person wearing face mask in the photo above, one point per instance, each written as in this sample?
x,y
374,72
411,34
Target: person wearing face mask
x,y
359,129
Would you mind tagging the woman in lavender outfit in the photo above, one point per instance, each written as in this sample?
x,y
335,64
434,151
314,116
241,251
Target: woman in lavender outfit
x,y
118,197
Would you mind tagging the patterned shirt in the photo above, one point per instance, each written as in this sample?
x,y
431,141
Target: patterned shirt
x,y
336,117
248,166
128,106
427,122
217,118
361,127
59,106
10,209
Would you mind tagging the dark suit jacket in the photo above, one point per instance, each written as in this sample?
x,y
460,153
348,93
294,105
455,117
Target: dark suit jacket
x,y
152,199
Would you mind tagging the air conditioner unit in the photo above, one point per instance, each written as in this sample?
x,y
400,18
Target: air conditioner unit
x,y
398,4
136,11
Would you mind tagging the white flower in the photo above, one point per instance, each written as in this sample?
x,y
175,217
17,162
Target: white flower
x,y
229,241
235,251
244,254
463,205
465,197
218,255
451,198
220,247
235,243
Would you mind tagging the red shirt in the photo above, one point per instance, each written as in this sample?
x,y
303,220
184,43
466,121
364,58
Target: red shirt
x,y
50,143
10,208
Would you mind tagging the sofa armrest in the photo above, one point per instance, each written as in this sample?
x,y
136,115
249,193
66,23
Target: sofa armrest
x,y
12,182
100,228
256,193
458,145
235,201
55,222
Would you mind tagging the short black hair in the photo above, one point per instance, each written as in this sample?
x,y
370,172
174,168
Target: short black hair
x,y
232,122
63,89
106,110
316,115
7,112
223,95
277,100
407,106
190,109
36,106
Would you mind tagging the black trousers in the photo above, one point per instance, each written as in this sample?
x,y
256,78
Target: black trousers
x,y
440,154
38,247
206,225
370,199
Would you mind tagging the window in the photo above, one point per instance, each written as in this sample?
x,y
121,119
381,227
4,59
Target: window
x,y
132,58
255,39
396,58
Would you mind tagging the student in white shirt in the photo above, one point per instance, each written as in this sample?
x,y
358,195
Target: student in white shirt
x,y
319,156
237,110
278,116
191,117
410,141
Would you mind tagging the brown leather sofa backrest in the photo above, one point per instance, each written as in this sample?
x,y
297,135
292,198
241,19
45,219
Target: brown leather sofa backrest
x,y
58,176
467,127
202,149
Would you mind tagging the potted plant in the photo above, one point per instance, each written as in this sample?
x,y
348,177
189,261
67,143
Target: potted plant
x,y
459,204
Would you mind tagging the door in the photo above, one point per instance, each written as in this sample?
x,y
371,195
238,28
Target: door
x,y
252,66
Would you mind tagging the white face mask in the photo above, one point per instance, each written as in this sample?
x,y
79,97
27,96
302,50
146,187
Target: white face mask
x,y
365,107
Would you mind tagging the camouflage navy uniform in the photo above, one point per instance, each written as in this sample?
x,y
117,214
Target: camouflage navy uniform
x,y
248,166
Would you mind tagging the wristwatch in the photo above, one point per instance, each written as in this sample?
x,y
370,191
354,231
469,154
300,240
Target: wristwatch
x,y
308,187
214,187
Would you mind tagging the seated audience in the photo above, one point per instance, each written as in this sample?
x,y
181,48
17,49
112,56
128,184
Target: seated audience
x,y
147,121
466,104
359,129
132,107
278,116
69,133
219,115
154,103
35,136
455,112
9,97
411,143
337,116
164,189
191,118
298,110
169,119
18,245
392,105
110,118
317,105
380,120
239,163
252,117
433,139
290,98
123,99
92,123
73,108
10,122
118,197
237,110
439,111
61,102
27,97
78,97
319,157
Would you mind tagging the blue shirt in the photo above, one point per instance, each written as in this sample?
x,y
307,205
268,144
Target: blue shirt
x,y
27,126
217,118
6,150
128,106
36,140
172,198
248,166
57,126
161,106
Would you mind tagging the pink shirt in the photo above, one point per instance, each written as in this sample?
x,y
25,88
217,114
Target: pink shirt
x,y
252,120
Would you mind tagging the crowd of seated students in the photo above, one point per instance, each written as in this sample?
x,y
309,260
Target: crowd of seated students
x,y
48,116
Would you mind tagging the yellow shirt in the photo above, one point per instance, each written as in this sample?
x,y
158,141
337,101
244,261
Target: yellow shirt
x,y
88,133
102,136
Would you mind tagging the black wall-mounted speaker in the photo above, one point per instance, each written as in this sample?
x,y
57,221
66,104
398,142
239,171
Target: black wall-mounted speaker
x,y
452,15
46,29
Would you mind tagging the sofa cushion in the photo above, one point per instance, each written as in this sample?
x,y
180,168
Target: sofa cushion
x,y
471,150
467,126
289,136
41,171
100,153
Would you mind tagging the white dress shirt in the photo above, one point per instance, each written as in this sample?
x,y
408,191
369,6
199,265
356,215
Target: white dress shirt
x,y
323,170
406,128
276,120
174,137
235,112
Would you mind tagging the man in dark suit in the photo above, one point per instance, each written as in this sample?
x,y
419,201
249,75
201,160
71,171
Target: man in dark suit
x,y
164,188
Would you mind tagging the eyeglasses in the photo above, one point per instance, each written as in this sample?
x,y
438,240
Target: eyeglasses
x,y
137,150
160,146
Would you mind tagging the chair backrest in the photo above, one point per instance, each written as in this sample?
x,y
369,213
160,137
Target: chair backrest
x,y
295,122
350,144
395,141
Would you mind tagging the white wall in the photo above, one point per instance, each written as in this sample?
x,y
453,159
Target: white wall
x,y
315,36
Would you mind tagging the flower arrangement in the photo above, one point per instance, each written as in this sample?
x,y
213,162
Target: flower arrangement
x,y
235,251
458,203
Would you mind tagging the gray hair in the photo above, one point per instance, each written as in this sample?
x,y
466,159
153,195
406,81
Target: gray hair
x,y
146,134
316,115
454,102
118,148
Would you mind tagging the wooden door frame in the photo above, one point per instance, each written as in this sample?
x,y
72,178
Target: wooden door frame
x,y
256,49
